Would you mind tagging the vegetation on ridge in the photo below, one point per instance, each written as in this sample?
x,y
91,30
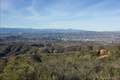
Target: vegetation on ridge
x,y
58,61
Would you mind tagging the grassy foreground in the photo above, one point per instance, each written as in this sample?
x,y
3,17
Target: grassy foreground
x,y
60,66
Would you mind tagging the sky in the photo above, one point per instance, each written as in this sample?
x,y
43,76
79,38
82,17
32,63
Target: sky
x,y
94,15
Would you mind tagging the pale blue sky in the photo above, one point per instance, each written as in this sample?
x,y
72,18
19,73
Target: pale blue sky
x,y
96,15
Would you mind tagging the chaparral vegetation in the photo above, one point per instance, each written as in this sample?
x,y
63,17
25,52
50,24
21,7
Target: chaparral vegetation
x,y
59,61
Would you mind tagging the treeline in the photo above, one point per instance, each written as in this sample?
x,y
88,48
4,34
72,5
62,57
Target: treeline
x,y
52,47
46,47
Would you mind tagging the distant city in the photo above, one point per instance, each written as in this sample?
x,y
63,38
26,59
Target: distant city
x,y
58,34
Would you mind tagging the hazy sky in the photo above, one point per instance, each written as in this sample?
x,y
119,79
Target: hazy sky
x,y
93,15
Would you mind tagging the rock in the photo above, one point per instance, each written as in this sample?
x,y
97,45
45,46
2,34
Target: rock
x,y
103,53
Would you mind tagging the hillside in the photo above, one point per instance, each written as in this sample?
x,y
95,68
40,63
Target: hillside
x,y
58,60
27,54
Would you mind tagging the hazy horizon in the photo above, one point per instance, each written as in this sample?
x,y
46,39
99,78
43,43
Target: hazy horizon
x,y
59,29
90,15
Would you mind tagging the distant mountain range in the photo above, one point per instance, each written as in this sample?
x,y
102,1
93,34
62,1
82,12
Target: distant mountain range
x,y
58,34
